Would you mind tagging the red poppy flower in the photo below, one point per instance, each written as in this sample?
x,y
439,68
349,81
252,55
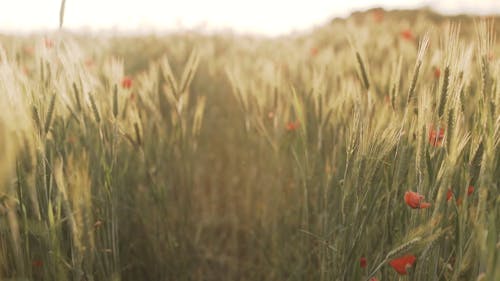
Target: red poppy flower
x,y
436,139
48,43
37,263
414,200
407,35
387,99
449,194
26,71
470,190
314,51
378,16
437,72
459,201
401,264
373,279
292,126
126,82
362,262
89,62
29,50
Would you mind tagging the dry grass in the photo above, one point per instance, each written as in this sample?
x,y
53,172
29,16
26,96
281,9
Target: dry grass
x,y
225,157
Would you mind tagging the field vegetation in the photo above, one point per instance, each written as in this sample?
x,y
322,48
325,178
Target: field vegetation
x,y
365,149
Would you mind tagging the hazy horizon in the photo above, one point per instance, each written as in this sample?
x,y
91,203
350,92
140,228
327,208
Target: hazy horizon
x,y
258,17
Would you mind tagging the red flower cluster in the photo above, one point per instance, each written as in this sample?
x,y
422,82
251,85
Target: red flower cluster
x,y
437,72
414,200
402,264
292,126
126,82
436,139
362,262
37,263
48,43
407,35
378,15
89,62
470,190
314,51
28,50
449,194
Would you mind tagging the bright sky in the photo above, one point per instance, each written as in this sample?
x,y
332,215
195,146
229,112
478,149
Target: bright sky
x,y
269,17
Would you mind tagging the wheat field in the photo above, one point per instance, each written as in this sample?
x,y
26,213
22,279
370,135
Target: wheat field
x,y
366,149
